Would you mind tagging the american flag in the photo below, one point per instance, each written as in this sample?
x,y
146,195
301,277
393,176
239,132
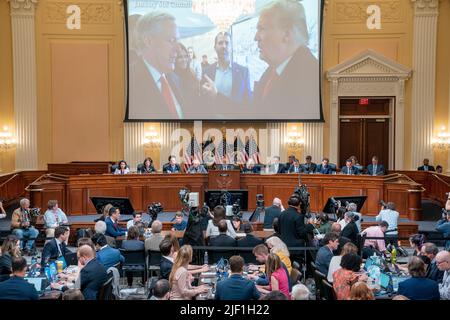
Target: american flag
x,y
239,148
251,150
193,151
224,148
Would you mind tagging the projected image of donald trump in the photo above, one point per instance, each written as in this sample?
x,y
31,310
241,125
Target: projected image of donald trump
x,y
289,88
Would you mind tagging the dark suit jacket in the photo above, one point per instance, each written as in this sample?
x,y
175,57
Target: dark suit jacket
x,y
222,240
145,99
292,169
422,168
92,278
324,170
250,241
255,169
308,169
236,287
289,93
351,231
17,288
50,251
344,170
5,264
281,168
133,245
434,273
165,266
323,259
167,168
419,289
225,166
271,213
113,230
108,257
380,169
292,227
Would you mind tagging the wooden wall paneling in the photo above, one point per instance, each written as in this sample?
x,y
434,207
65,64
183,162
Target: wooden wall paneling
x,y
135,195
76,205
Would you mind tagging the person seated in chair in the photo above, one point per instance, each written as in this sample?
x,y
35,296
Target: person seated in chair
x,y
161,290
180,224
426,166
325,253
112,224
167,257
418,287
10,249
375,169
236,287
196,167
122,168
16,287
137,219
152,242
249,240
309,166
349,168
374,245
53,218
295,167
222,240
100,227
430,250
106,255
21,227
56,247
147,166
251,167
172,166
325,167
276,166
92,275
225,165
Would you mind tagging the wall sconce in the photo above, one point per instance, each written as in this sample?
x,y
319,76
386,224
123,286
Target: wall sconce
x,y
295,139
7,141
442,140
152,138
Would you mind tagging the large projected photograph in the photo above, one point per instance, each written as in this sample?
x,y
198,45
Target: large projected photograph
x,y
224,60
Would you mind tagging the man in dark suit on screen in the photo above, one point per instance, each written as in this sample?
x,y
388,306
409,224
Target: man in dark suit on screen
x,y
290,85
375,169
154,90
228,83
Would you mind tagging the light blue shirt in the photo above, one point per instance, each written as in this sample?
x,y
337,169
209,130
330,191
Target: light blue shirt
x,y
391,217
51,221
224,81
156,75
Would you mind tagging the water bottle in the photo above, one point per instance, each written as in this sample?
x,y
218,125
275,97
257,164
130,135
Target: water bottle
x,y
53,272
205,258
33,267
394,255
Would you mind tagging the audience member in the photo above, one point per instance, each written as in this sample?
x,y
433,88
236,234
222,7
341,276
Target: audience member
x,y
105,212
418,287
100,227
223,239
350,231
72,294
2,210
249,241
279,280
180,224
161,291
416,242
10,250
335,262
152,242
236,287
167,258
352,207
112,224
21,227
133,243
238,226
274,295
137,218
213,230
56,247
325,253
347,275
92,274
431,250
271,213
53,218
279,248
106,255
180,279
16,287
399,297
300,292
360,291
324,223
87,242
443,264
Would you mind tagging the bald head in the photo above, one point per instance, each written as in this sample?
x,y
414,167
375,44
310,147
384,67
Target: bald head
x,y
277,202
85,251
443,260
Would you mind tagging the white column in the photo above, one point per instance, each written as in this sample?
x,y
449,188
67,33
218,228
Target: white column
x,y
167,128
334,122
448,127
24,77
134,152
423,87
313,135
277,132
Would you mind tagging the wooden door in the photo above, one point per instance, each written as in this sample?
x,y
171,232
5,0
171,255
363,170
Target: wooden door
x,y
350,139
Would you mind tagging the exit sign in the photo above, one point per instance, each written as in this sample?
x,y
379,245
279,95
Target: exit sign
x,y
364,101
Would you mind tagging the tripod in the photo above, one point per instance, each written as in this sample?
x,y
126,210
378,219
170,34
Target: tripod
x,y
256,215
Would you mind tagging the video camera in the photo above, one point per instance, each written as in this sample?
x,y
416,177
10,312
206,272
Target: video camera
x,y
34,212
260,200
153,210
237,208
302,192
184,196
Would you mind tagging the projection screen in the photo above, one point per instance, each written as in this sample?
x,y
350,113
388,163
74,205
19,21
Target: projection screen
x,y
224,60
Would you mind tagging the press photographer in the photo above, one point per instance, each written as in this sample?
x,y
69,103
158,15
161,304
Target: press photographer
x,y
443,225
21,226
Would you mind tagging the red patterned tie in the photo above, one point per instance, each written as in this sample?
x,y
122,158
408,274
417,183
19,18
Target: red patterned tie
x,y
269,84
167,96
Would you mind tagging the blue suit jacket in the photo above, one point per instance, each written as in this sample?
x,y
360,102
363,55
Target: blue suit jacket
x,y
92,278
419,289
380,169
354,169
236,288
323,259
167,168
165,266
109,257
17,288
321,169
112,230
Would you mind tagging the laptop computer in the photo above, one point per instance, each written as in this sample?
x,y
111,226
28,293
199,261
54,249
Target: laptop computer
x,y
40,283
71,259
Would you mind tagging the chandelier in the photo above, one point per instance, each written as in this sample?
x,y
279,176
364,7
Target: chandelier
x,y
295,139
442,140
223,13
152,138
7,140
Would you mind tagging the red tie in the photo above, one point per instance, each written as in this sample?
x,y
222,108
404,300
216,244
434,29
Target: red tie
x,y
167,96
269,84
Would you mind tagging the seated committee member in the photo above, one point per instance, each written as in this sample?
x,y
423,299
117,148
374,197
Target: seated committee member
x,y
22,228
227,82
418,287
112,224
56,247
16,287
225,165
324,167
236,287
295,167
155,90
196,167
53,217
276,166
426,166
92,275
172,166
147,166
349,168
122,168
272,212
181,280
291,79
309,166
375,169
251,167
